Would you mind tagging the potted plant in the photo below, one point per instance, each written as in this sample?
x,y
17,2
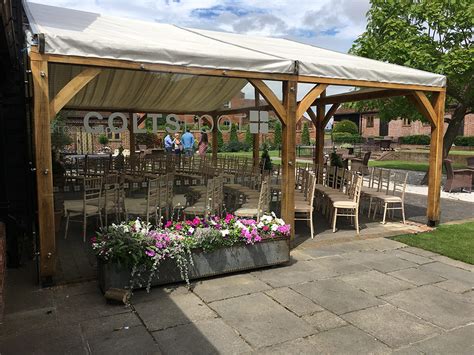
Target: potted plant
x,y
104,140
136,255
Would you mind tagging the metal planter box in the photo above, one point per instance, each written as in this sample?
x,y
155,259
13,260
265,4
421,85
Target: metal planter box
x,y
221,261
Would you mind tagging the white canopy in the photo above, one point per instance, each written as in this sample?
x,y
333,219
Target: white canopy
x,y
85,34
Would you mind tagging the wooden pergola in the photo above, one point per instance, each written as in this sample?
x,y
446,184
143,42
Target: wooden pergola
x,y
429,100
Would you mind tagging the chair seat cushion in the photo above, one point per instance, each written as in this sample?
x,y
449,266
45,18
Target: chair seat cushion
x,y
344,204
77,206
246,212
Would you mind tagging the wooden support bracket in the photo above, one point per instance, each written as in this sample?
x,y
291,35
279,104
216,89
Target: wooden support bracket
x,y
270,97
309,99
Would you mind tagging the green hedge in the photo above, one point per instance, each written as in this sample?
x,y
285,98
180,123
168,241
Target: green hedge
x,y
464,141
345,126
344,137
419,139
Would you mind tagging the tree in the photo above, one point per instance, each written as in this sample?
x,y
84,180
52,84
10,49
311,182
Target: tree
x,y
345,126
234,137
220,140
277,135
432,35
248,137
305,139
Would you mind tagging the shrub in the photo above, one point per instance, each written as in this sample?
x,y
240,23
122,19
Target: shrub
x,y
149,139
305,139
234,136
248,137
220,140
345,137
277,136
345,126
419,139
232,146
103,139
464,141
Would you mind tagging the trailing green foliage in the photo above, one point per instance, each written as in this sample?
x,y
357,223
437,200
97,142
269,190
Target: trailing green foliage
x,y
418,139
345,126
464,141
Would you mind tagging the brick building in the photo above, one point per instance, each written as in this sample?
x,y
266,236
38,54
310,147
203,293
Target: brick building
x,y
370,124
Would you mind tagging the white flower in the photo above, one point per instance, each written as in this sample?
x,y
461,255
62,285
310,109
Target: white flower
x,y
260,225
266,218
280,221
274,227
225,232
191,230
273,214
239,225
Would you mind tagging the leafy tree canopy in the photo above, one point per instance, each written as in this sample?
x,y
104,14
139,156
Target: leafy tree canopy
x,y
432,35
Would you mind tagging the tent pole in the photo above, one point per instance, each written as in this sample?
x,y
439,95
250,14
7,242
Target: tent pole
x,y
215,146
131,134
288,154
436,160
44,174
256,136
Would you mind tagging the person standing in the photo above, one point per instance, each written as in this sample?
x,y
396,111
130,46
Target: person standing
x,y
188,143
168,143
203,144
177,145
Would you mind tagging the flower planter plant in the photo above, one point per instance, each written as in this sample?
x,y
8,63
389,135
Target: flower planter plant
x,y
134,254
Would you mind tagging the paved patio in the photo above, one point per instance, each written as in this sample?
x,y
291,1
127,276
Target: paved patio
x,y
365,296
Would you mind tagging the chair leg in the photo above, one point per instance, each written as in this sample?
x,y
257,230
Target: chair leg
x,y
67,225
370,207
356,216
311,221
84,228
384,212
403,212
334,221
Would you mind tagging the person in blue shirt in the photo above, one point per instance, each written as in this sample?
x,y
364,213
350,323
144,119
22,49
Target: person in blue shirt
x,y
168,143
187,140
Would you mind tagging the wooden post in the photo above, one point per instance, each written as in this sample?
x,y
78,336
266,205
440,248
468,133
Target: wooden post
x,y
320,114
44,174
215,146
436,160
288,154
256,137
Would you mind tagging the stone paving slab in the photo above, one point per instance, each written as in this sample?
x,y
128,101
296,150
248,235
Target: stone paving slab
x,y
230,286
420,252
172,310
325,320
443,308
293,301
347,340
339,265
458,341
452,262
302,271
387,263
337,296
414,258
301,346
201,337
417,277
260,320
454,286
449,272
376,283
392,326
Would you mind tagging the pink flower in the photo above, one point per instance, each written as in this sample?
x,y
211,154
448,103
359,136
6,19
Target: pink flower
x,y
285,229
178,227
265,228
196,221
229,217
93,239
168,224
150,253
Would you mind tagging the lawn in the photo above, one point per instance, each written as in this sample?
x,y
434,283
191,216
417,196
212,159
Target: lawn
x,y
249,154
454,240
405,165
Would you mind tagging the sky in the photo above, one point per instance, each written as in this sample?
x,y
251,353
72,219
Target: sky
x,y
330,24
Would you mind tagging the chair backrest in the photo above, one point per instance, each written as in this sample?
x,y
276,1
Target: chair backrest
x,y
470,162
356,188
399,183
264,199
92,190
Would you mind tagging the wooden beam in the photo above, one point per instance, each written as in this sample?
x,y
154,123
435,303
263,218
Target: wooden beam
x,y
423,104
288,155
163,68
361,95
256,137
436,160
320,114
44,169
329,114
309,98
132,145
365,83
312,116
72,88
270,97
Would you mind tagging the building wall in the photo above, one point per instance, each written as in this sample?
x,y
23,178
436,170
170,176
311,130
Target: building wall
x,y
469,125
369,131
